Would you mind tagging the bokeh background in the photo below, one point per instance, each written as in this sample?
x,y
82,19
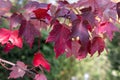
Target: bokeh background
x,y
104,67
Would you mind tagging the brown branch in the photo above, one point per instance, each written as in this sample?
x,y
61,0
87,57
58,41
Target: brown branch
x,y
13,64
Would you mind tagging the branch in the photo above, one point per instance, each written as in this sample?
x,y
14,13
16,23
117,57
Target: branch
x,y
13,64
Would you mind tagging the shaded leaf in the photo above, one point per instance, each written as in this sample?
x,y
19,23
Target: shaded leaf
x,y
8,47
118,9
5,6
28,31
18,70
15,20
79,30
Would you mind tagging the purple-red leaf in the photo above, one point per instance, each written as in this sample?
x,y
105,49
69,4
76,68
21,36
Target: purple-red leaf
x,y
97,44
5,6
118,9
79,30
28,31
18,70
15,20
59,35
39,60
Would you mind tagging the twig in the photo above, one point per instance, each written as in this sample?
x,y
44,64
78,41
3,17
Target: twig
x,y
13,64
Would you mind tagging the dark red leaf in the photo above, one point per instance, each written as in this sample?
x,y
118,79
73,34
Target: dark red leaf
x,y
59,34
97,44
40,60
8,47
118,9
42,13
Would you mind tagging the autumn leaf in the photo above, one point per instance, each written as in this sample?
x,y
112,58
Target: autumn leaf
x,y
39,60
118,9
5,6
18,70
79,30
12,36
15,20
4,35
8,47
28,31
59,35
108,28
42,13
97,44
40,77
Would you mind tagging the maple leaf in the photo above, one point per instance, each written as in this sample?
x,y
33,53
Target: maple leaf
x,y
42,13
79,30
108,28
59,35
73,49
5,6
28,31
31,5
18,70
15,20
8,47
4,35
118,9
88,15
15,39
40,77
40,60
97,44
12,36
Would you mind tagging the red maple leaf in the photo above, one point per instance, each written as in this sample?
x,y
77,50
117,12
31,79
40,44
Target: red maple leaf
x,y
12,36
59,35
8,47
39,60
42,13
15,20
97,44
